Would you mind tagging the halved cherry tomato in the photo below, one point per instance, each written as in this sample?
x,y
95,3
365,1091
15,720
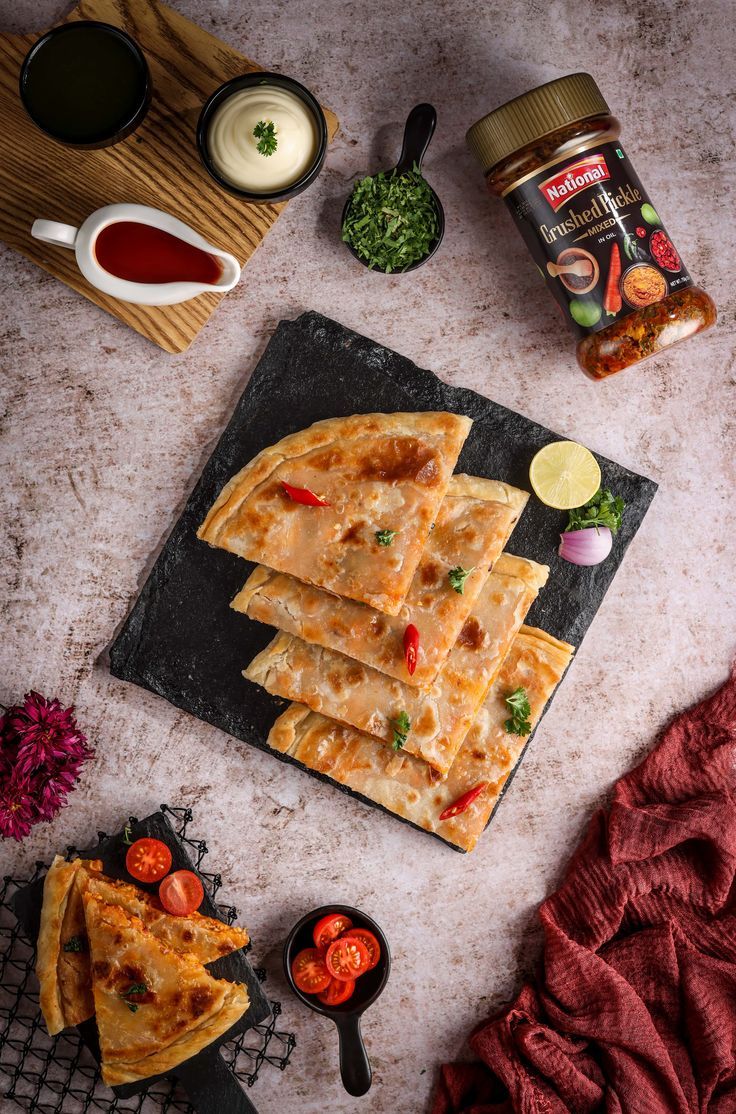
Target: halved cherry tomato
x,y
329,928
463,802
309,971
181,893
372,945
347,958
337,992
148,860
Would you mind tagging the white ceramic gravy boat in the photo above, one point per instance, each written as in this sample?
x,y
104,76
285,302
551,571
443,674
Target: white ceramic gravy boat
x,y
82,240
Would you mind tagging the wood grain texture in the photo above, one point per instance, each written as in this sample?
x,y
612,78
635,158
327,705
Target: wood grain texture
x,y
158,165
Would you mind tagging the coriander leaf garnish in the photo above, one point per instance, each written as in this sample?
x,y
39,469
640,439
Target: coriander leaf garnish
x,y
402,727
519,723
385,537
135,990
127,833
602,510
75,944
391,220
265,133
457,578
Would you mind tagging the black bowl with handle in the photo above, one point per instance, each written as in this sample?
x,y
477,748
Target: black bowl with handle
x,y
418,132
355,1068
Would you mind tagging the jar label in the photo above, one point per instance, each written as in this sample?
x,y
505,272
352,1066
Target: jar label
x,y
596,238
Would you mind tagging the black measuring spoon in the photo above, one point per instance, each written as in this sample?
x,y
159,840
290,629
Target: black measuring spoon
x,y
355,1068
418,131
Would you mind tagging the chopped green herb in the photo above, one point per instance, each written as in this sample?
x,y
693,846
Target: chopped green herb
x,y
391,221
517,702
385,537
265,133
602,510
127,833
75,944
457,578
135,990
402,727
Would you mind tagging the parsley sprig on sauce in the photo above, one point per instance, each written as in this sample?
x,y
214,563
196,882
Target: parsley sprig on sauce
x,y
265,133
402,727
518,704
385,537
391,221
602,510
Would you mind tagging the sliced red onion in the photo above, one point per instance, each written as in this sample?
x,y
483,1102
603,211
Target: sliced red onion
x,y
586,547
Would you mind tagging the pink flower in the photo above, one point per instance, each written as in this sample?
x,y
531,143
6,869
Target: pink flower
x,y
17,808
42,752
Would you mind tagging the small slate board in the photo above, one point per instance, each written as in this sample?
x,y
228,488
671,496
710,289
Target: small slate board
x,y
183,641
206,1068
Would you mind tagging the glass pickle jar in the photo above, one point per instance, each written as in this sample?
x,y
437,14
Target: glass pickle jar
x,y
553,155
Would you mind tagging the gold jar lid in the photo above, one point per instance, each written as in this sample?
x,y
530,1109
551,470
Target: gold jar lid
x,y
527,118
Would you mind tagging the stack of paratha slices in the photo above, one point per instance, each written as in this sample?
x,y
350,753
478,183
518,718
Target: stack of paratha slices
x,y
361,530
108,948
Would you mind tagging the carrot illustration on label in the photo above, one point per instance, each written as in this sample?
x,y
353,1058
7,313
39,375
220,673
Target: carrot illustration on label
x,y
612,298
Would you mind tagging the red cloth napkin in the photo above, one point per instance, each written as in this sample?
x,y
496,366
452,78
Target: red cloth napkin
x,y
634,1010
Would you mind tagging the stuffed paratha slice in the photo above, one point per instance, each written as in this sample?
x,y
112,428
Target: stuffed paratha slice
x,y
62,959
474,523
206,938
154,1007
407,786
63,963
431,724
314,504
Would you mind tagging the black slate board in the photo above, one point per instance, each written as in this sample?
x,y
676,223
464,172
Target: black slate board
x,y
221,1090
183,641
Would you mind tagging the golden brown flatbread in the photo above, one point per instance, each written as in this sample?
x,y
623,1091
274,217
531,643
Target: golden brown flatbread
x,y
206,938
361,697
406,785
474,523
377,472
62,961
154,1007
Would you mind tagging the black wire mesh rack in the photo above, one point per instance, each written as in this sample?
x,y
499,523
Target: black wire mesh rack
x,y
57,1075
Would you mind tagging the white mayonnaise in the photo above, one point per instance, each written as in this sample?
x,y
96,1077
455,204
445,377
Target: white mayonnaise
x,y
233,147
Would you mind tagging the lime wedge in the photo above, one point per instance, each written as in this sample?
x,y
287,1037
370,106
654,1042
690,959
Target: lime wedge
x,y
565,475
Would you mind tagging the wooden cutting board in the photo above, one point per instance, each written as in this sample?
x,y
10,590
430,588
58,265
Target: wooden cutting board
x,y
158,165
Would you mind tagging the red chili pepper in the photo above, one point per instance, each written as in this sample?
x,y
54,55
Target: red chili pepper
x,y
304,495
463,802
411,647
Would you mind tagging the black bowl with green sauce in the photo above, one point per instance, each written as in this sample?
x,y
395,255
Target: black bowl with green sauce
x,y
86,84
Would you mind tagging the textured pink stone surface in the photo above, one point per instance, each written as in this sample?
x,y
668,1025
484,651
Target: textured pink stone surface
x,y
103,436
